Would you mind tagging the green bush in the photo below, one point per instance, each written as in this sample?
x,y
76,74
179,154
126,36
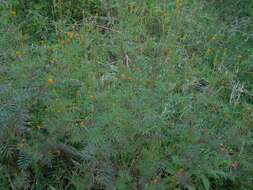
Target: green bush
x,y
124,95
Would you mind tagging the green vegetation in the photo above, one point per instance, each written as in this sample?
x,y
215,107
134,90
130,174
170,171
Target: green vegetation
x,y
126,95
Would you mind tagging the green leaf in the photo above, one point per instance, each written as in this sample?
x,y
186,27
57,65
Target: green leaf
x,y
205,182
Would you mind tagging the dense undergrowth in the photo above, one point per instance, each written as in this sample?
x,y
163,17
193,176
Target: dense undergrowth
x,y
120,94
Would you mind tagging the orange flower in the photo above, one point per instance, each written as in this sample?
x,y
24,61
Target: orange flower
x,y
62,42
50,81
222,149
14,13
225,112
130,78
18,53
213,38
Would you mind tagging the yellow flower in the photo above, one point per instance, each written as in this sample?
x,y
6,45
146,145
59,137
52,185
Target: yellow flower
x,y
59,111
21,145
50,81
209,50
77,35
78,102
62,42
14,13
154,180
71,35
248,110
239,57
123,76
233,164
81,123
24,140
40,127
164,15
213,38
74,27
68,40
178,7
231,150
178,1
18,53
92,97
54,60
181,171
181,38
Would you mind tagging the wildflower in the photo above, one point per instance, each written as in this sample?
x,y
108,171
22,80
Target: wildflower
x,y
81,123
222,149
39,127
233,164
114,78
92,97
59,111
78,102
77,35
53,105
74,27
209,50
164,15
18,53
68,40
178,1
24,140
154,180
54,60
181,171
50,81
225,112
231,150
71,35
239,57
123,76
178,7
14,13
21,145
130,78
62,42
181,38
213,38
248,110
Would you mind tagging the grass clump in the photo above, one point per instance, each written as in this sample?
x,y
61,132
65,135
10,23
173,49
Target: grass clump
x,y
125,95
